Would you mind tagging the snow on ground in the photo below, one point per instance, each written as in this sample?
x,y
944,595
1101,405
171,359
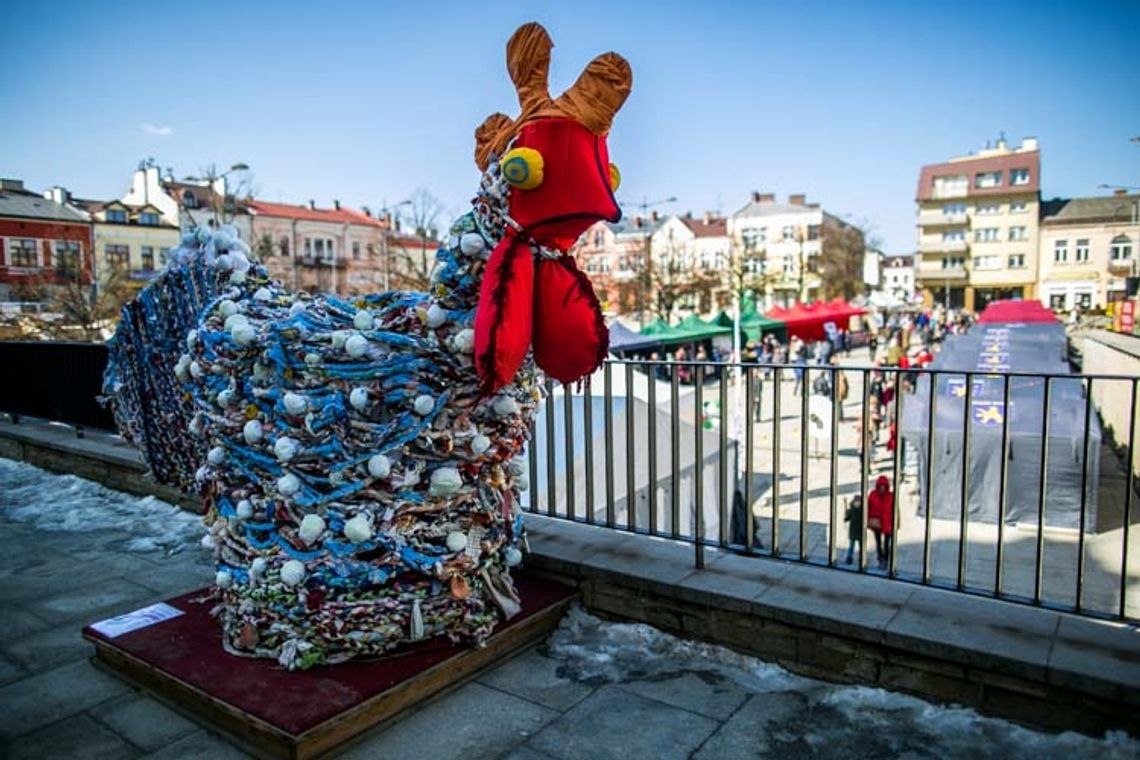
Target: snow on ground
x,y
809,716
53,502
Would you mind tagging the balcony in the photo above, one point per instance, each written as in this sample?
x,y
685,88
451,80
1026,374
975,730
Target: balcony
x,y
937,218
934,272
321,261
1120,267
943,246
142,275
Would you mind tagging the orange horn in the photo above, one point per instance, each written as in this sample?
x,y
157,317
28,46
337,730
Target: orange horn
x,y
599,93
528,62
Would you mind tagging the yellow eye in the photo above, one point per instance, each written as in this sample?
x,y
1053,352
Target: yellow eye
x,y
615,177
522,168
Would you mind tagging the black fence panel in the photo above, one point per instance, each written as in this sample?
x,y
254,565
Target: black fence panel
x,y
58,381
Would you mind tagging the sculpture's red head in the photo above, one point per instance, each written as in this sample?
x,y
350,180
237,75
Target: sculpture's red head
x,y
555,158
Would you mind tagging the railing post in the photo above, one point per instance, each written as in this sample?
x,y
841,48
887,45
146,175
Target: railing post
x,y
1040,555
699,467
630,453
749,433
651,430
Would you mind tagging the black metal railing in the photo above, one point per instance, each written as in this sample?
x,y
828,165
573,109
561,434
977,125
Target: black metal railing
x,y
1009,488
54,380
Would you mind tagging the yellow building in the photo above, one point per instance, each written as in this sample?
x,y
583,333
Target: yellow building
x,y
133,241
1089,246
978,227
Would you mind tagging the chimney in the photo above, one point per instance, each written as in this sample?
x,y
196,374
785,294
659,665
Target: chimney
x,y
58,195
367,211
1120,192
688,214
766,198
708,217
336,204
654,215
756,197
637,222
797,199
312,205
11,184
1029,143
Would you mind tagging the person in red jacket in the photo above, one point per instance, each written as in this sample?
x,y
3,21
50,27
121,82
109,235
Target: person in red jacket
x,y
881,518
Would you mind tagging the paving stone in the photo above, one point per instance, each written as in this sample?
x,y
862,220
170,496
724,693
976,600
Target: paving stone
x,y
613,723
49,649
78,737
114,595
198,746
145,722
10,671
43,699
706,693
19,623
537,678
526,752
475,721
758,730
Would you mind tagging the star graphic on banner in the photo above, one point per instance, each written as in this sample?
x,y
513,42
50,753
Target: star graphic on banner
x,y
958,390
992,360
989,414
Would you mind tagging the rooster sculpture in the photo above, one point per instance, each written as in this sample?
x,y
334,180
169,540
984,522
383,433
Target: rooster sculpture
x,y
360,461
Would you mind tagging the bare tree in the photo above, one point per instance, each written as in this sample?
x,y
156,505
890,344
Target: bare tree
x,y
413,265
238,185
839,262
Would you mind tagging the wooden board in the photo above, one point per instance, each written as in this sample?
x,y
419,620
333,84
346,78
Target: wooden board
x,y
273,713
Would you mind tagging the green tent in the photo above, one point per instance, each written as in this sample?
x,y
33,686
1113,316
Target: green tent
x,y
754,325
698,329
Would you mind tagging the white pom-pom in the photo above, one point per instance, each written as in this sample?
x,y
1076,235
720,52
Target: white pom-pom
x,y
512,556
260,371
244,509
237,277
312,526
243,334
363,320
252,431
293,572
295,404
227,308
456,541
518,466
436,316
224,262
195,370
285,448
423,404
522,482
445,481
257,568
191,339
312,359
356,346
339,337
480,444
216,456
182,368
358,398
235,319
504,406
288,484
472,243
464,340
207,541
223,579
297,307
358,529
262,294
225,397
379,466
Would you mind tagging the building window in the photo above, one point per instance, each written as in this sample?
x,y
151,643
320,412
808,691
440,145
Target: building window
x,y
1120,249
149,218
1019,233
284,246
308,248
954,209
67,254
983,180
116,215
22,252
1019,176
789,233
986,235
953,262
988,209
1017,207
117,256
356,249
813,232
329,250
147,253
189,200
163,256
1081,250
1017,261
986,262
954,236
1061,251
951,187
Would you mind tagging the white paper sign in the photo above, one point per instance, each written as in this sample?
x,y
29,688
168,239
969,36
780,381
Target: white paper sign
x,y
132,621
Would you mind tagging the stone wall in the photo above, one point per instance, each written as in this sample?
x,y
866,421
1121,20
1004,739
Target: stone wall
x,y
1111,353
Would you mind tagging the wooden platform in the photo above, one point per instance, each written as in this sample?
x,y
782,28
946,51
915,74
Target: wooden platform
x,y
273,713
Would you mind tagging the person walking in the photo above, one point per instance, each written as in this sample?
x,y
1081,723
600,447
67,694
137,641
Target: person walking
x,y
881,518
853,516
841,387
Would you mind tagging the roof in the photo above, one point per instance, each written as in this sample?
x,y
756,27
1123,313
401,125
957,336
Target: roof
x,y
342,215
1029,159
1107,208
28,205
896,262
774,208
205,195
636,225
711,227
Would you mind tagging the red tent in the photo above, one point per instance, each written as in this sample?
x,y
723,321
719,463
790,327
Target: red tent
x,y
1016,311
806,321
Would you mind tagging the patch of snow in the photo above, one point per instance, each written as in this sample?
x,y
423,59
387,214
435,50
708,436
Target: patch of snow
x,y
808,715
67,503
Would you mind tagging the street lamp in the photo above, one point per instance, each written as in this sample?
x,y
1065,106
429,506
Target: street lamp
x,y
210,179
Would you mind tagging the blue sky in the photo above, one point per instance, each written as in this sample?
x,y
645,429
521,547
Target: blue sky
x,y
367,101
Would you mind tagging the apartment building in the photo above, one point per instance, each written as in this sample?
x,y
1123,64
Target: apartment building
x,y
978,226
43,243
898,277
132,242
612,255
1089,247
